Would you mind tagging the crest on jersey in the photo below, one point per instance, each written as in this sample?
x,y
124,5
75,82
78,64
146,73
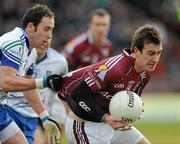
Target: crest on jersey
x,y
103,70
103,67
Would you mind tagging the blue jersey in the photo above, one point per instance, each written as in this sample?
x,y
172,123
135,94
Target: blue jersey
x,y
52,63
14,48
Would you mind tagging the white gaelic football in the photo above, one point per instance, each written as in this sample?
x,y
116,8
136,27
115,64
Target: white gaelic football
x,y
126,105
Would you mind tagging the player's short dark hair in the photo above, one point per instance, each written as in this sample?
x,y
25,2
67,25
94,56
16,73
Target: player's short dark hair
x,y
144,35
35,14
99,12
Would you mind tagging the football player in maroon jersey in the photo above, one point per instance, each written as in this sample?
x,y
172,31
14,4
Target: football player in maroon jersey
x,y
88,91
92,46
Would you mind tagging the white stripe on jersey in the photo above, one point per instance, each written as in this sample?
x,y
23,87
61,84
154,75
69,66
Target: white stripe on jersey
x,y
73,43
126,52
89,81
111,60
115,62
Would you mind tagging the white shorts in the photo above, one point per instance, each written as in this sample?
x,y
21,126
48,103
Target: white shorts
x,y
56,109
9,131
99,133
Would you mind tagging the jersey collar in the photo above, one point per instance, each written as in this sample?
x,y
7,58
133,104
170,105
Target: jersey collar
x,y
127,52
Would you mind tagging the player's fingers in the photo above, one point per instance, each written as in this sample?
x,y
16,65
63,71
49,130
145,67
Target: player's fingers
x,y
53,140
127,127
120,125
57,140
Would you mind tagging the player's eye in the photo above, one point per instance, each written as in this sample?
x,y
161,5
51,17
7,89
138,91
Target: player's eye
x,y
150,53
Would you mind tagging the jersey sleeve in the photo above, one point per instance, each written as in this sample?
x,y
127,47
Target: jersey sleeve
x,y
12,52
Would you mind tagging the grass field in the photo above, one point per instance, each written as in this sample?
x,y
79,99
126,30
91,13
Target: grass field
x,y
160,122
161,133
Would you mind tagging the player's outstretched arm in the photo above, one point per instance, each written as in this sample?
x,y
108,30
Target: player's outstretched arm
x,y
10,82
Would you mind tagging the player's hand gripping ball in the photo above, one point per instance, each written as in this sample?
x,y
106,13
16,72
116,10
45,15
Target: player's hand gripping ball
x,y
126,105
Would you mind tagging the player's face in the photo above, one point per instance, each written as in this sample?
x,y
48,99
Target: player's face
x,y
148,58
100,27
41,36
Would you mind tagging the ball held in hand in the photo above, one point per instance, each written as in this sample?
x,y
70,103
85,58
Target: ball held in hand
x,y
126,105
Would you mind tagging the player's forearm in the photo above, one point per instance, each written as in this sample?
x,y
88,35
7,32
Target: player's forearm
x,y
12,83
34,99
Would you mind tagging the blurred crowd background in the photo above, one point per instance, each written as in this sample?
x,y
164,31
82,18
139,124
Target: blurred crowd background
x,y
71,17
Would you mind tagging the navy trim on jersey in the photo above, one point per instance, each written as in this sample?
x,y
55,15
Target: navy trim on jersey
x,y
10,56
6,62
38,61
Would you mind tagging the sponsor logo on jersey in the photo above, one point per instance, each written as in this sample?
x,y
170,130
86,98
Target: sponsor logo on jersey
x,y
119,85
84,106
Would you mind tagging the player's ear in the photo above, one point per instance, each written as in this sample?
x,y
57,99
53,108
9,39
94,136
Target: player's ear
x,y
136,51
30,27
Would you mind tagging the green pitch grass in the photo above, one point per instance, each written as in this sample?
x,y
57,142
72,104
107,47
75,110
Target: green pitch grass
x,y
161,133
160,122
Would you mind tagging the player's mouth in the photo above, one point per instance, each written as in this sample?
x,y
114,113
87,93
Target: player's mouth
x,y
152,66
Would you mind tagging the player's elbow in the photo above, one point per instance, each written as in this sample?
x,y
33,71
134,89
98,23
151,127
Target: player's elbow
x,y
5,84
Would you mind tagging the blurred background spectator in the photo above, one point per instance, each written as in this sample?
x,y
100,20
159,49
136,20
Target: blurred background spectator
x,y
72,17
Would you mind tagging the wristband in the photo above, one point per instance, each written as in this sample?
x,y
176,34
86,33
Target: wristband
x,y
41,82
44,116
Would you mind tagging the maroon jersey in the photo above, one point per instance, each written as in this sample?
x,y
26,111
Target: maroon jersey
x,y
108,77
81,52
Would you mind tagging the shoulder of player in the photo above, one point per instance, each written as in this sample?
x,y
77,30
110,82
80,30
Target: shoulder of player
x,y
120,65
76,42
56,57
11,39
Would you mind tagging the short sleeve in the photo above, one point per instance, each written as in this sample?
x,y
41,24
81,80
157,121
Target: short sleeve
x,y
12,52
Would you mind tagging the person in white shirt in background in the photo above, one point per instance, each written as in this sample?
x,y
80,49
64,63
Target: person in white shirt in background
x,y
50,62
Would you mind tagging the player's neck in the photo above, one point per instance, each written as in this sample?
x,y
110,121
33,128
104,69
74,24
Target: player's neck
x,y
137,67
41,56
97,44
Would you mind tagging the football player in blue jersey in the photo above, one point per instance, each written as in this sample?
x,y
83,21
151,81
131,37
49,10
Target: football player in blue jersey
x,y
16,59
